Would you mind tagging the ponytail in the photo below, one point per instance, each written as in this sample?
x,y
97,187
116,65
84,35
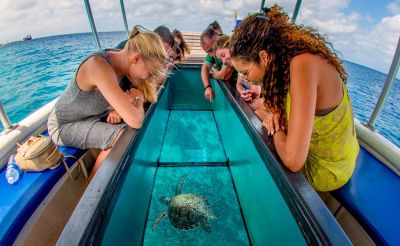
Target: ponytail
x,y
147,44
149,90
135,31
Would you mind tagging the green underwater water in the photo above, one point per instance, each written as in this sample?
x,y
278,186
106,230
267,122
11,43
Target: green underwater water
x,y
214,183
192,136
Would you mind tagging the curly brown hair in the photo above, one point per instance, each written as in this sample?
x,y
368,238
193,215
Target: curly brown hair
x,y
282,39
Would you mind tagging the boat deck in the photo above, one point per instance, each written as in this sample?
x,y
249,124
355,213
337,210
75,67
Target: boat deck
x,y
196,52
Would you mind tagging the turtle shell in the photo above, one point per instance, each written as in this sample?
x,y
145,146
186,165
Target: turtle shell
x,y
188,211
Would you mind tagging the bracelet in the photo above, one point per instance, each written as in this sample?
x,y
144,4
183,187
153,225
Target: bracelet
x,y
205,88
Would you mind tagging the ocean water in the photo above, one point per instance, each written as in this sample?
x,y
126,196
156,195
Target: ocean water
x,y
214,185
35,72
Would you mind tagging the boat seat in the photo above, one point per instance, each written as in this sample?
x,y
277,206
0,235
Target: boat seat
x,y
19,201
372,197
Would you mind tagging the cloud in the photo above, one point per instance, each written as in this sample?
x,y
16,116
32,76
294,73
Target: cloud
x,y
353,34
356,35
17,6
394,7
328,17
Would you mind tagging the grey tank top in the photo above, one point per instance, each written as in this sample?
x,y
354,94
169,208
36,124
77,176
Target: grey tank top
x,y
75,104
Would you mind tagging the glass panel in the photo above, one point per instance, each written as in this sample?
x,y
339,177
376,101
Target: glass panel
x,y
209,196
192,136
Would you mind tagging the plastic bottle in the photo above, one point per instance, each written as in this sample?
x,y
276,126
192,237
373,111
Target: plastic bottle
x,y
246,87
13,172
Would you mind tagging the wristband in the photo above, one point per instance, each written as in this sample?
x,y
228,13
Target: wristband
x,y
205,88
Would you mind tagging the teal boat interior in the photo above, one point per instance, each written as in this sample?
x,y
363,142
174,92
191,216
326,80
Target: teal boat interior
x,y
219,152
216,152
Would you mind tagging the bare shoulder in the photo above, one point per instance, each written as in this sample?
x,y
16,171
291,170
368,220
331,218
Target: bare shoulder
x,y
306,60
96,69
304,68
98,64
93,71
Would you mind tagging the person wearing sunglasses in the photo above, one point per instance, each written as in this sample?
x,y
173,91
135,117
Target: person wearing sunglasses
x,y
305,95
212,66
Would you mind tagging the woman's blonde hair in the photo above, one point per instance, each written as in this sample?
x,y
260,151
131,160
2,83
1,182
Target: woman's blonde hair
x,y
148,89
151,50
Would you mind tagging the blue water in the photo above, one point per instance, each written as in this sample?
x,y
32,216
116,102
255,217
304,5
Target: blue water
x,y
33,73
211,183
200,143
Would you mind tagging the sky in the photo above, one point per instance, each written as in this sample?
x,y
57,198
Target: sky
x,y
363,31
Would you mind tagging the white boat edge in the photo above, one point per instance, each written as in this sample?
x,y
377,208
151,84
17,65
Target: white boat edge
x,y
34,124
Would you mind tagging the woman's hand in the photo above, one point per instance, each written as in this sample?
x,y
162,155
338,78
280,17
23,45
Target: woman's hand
x,y
114,118
135,96
255,91
209,93
249,91
246,95
270,120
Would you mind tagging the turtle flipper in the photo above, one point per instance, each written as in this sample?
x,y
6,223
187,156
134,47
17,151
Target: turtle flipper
x,y
206,227
158,220
179,186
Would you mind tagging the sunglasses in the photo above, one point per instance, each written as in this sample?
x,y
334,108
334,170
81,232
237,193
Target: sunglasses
x,y
244,76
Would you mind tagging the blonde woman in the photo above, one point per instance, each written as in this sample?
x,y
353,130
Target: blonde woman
x,y
77,119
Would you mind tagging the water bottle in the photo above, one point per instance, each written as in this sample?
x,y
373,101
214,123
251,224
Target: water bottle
x,y
13,172
245,87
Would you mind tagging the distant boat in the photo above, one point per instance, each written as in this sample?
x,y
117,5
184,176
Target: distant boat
x,y
27,37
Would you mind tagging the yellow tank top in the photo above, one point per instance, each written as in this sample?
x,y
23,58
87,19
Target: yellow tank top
x,y
333,148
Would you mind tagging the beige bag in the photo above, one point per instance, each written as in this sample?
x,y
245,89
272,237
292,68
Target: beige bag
x,y
38,154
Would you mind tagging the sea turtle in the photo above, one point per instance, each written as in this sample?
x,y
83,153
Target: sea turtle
x,y
186,211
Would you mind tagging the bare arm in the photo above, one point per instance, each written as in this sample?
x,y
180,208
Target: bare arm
x,y
105,80
224,74
205,74
293,147
205,77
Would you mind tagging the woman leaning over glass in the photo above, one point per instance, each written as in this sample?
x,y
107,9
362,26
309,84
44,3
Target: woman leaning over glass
x,y
309,110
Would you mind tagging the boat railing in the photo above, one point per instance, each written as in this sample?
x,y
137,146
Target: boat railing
x,y
93,25
394,68
5,121
33,124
